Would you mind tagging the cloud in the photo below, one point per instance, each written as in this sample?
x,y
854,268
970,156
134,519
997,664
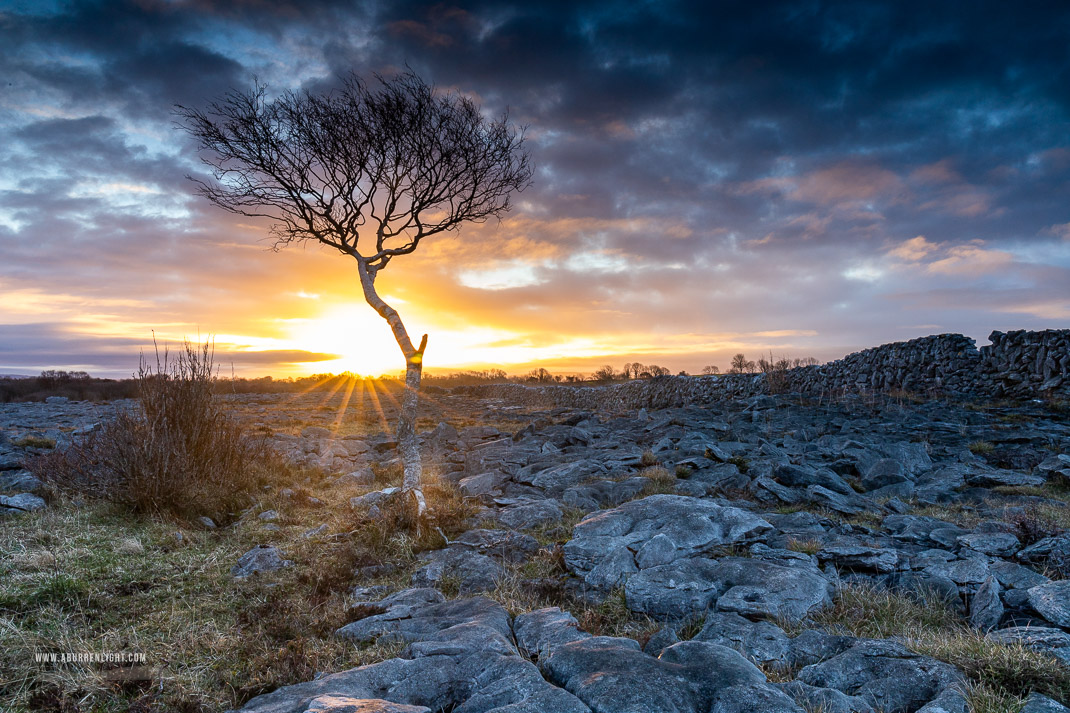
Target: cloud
x,y
1062,230
944,259
271,357
705,174
847,182
913,250
970,260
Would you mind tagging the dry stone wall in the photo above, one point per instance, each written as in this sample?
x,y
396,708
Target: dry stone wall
x,y
1018,364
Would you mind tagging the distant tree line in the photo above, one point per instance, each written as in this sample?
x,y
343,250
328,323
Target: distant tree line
x,y
740,364
80,386
74,385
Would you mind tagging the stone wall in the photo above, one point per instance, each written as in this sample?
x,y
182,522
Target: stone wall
x,y
1022,363
1016,364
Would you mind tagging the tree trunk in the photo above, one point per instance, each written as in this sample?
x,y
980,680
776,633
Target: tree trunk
x,y
408,444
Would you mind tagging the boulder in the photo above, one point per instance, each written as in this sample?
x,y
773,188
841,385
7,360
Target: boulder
x,y
526,514
762,589
884,674
826,700
992,478
471,571
753,698
345,704
997,544
262,558
749,587
857,558
986,608
503,544
1049,640
1038,703
1052,601
541,632
760,641
612,675
413,615
693,526
20,481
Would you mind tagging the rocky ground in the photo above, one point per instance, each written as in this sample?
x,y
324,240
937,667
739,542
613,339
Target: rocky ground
x,y
747,535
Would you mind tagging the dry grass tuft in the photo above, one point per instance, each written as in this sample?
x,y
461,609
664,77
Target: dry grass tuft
x,y
661,481
178,453
613,618
397,533
34,442
809,547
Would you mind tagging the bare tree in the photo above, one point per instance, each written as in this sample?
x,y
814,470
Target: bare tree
x,y
741,365
711,369
540,375
369,171
604,373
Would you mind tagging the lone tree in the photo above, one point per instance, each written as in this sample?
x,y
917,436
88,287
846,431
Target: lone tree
x,y
369,171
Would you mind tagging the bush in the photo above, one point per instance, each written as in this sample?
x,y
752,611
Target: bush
x,y
176,452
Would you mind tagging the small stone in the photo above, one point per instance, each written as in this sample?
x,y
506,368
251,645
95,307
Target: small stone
x,y
362,477
268,515
130,546
263,558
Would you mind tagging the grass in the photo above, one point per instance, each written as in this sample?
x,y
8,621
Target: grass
x,y
560,532
809,547
1000,674
981,447
740,462
32,441
99,578
94,579
957,513
612,617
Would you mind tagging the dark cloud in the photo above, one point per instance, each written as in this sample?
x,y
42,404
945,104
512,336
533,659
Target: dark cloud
x,y
702,167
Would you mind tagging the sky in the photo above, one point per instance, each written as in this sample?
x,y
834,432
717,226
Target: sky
x,y
798,178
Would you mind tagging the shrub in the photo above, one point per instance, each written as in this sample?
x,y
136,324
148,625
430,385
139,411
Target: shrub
x,y
176,452
1031,525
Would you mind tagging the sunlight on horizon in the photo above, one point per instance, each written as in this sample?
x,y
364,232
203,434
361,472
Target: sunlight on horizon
x,y
367,345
